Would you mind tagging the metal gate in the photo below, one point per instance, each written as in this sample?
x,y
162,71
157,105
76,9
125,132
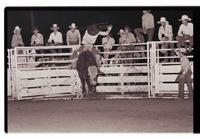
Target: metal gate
x,y
163,74
136,76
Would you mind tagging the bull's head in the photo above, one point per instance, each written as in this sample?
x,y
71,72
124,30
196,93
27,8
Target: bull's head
x,y
92,70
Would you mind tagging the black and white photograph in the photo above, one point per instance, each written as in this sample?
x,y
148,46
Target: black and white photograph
x,y
99,69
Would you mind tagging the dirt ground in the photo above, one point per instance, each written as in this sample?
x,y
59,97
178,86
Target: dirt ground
x,y
138,115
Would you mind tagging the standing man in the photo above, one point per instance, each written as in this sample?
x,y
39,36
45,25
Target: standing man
x,y
186,73
185,33
107,43
73,36
17,40
165,34
147,27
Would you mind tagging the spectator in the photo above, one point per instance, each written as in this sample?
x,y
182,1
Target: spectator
x,y
185,76
37,38
122,40
107,43
17,40
185,33
130,38
73,35
165,34
55,38
147,27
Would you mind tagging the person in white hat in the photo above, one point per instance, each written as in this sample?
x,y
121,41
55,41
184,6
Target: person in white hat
x,y
185,33
55,37
165,34
73,36
147,27
185,73
17,40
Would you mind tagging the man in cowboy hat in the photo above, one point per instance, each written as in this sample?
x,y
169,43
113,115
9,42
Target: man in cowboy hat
x,y
73,36
185,33
17,40
147,27
165,34
37,38
185,76
55,38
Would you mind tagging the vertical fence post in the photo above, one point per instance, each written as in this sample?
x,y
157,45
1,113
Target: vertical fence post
x,y
152,65
148,71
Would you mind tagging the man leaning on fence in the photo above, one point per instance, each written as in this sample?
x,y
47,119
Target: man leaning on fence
x,y
165,34
17,40
55,38
73,36
185,76
185,33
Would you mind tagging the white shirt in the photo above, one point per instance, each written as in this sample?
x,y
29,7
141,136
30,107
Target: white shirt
x,y
73,37
167,31
90,40
147,21
185,29
108,42
56,37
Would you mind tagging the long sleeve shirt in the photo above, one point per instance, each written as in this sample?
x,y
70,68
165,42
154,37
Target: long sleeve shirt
x,y
73,38
166,31
37,39
185,29
185,65
56,37
17,40
90,40
148,21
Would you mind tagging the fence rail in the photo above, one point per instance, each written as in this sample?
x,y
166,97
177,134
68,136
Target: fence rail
x,y
32,73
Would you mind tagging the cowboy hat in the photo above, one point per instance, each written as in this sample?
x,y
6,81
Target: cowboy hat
x,y
121,31
162,19
73,25
185,17
55,26
182,50
16,28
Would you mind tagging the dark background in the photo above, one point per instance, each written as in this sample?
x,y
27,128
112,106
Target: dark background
x,y
45,17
